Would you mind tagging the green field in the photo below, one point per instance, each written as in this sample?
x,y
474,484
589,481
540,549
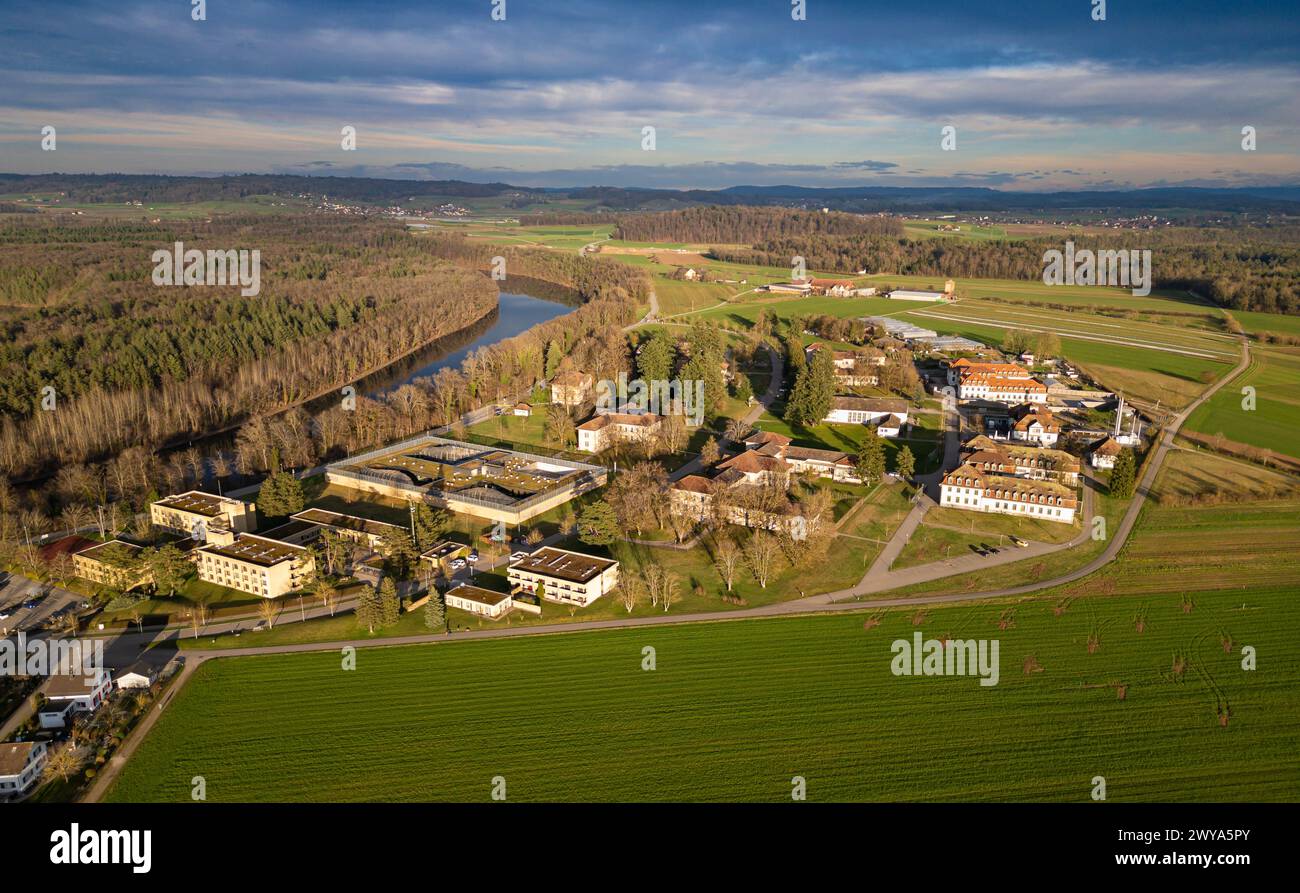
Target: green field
x,y
735,710
1274,423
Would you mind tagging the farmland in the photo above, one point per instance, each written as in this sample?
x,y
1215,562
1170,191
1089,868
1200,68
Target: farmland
x,y
734,710
1274,422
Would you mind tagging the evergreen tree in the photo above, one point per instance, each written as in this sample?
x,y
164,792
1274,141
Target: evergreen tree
x,y
169,567
905,463
598,524
870,460
280,495
368,608
389,610
430,525
553,357
435,615
655,361
1123,477
742,388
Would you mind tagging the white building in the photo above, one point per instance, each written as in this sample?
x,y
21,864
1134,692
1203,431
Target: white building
x,y
69,694
1036,425
568,577
484,602
599,431
21,764
193,513
865,410
903,294
1104,453
968,488
890,427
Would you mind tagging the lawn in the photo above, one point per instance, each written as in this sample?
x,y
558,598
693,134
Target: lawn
x,y
733,711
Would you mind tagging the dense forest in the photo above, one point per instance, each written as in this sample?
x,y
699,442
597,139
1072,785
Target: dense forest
x,y
135,363
741,225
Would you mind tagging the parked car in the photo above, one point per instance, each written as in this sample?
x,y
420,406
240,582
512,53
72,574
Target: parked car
x,y
457,563
4,615
1018,542
32,604
261,625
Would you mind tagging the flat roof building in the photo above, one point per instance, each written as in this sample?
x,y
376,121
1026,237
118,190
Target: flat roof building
x,y
255,564
569,577
192,513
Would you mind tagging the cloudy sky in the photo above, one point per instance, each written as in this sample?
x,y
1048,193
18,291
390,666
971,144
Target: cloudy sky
x,y
557,94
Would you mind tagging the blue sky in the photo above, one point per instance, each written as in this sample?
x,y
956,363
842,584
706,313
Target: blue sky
x,y
557,94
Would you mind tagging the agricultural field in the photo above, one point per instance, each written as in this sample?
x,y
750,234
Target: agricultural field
x,y
922,229
1189,474
1134,691
570,237
1274,423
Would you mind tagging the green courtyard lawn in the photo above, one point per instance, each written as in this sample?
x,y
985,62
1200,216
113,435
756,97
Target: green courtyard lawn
x,y
732,711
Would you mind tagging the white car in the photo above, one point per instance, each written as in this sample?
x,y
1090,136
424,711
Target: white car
x,y
457,563
519,556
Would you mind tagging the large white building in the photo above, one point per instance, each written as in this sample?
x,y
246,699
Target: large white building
x,y
866,410
599,431
969,488
567,577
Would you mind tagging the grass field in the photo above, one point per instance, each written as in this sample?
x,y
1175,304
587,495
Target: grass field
x,y
733,711
1274,423
1190,473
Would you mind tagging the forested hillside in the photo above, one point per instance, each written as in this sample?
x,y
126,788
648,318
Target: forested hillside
x,y
131,362
742,225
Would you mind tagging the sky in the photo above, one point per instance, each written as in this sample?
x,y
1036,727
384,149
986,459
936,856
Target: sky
x,y
558,93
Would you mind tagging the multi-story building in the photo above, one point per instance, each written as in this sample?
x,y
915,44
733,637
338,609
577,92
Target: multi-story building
x,y
569,577
255,564
571,388
599,431
362,530
1035,424
102,564
193,513
971,489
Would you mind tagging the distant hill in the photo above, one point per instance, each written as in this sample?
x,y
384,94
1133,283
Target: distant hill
x,y
859,199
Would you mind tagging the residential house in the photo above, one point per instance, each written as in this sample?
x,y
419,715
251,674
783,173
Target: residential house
x,y
21,765
68,694
1104,453
1035,424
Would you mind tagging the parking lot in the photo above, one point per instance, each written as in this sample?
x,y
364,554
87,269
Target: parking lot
x,y
18,591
